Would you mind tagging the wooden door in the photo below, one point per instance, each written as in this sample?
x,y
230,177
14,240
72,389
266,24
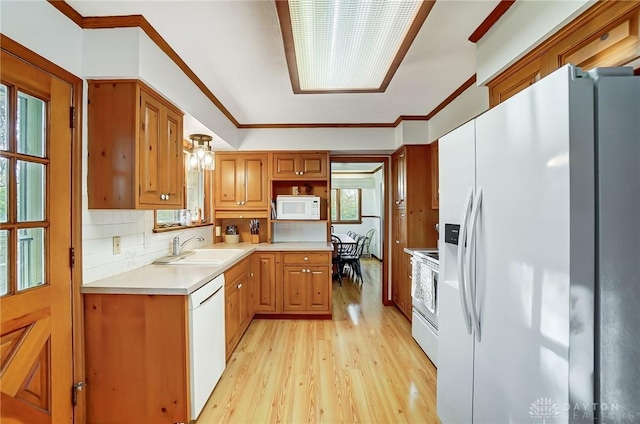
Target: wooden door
x,y
398,263
403,281
399,170
520,80
244,297
231,316
284,165
150,150
435,178
294,288
226,193
263,269
312,165
254,182
35,240
318,289
172,166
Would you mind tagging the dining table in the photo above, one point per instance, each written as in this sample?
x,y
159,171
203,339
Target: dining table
x,y
345,238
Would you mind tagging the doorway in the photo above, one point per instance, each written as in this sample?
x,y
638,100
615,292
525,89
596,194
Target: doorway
x,y
359,200
39,227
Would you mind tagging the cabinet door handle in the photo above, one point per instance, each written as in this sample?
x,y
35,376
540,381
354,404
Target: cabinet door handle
x,y
238,203
166,196
239,286
397,202
252,274
397,241
161,196
306,259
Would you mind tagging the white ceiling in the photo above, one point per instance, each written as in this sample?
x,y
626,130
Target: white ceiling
x,y
235,48
355,167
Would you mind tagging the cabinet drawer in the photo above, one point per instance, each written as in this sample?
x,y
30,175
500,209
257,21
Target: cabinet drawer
x,y
306,258
232,274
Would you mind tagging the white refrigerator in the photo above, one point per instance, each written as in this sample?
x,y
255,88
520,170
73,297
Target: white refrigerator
x,y
540,256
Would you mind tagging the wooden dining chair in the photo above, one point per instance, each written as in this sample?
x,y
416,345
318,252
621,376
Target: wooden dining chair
x,y
337,260
352,260
366,252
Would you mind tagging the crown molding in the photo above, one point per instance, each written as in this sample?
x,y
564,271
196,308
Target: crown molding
x,y
139,21
491,20
468,83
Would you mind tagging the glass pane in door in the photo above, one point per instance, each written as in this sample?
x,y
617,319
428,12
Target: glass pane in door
x,y
30,181
4,106
31,259
4,262
31,125
4,191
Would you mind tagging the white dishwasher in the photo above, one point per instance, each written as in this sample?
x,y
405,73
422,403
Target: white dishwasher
x,y
207,342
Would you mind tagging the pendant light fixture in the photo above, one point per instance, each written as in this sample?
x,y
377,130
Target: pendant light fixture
x,y
201,155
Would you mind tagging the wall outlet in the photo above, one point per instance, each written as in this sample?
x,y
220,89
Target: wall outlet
x,y
116,245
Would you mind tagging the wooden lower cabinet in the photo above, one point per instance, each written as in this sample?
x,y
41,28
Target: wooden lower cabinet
x,y
263,285
306,283
238,311
294,291
304,289
137,359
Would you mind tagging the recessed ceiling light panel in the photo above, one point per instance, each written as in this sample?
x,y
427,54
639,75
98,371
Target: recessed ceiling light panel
x,y
349,44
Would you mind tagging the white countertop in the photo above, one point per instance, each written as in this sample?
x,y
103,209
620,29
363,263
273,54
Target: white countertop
x,y
185,279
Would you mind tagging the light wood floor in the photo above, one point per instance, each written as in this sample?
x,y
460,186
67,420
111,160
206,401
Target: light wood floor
x,y
362,366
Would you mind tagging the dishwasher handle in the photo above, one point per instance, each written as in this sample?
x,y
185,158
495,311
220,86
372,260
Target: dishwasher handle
x,y
210,296
205,292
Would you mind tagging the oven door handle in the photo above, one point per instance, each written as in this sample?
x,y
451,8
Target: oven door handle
x,y
461,256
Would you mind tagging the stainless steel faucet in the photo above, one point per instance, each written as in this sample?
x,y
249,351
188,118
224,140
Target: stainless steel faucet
x,y
177,247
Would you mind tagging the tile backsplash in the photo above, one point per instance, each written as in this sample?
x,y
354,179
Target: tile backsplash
x,y
299,232
139,244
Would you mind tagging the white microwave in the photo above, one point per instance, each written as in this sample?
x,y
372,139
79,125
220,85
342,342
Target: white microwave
x,y
298,207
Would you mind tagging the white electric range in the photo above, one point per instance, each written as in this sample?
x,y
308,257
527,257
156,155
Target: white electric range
x,y
424,295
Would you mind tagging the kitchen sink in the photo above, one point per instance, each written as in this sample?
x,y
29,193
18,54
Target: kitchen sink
x,y
200,257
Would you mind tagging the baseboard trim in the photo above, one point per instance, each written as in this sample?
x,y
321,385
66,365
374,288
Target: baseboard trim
x,y
294,316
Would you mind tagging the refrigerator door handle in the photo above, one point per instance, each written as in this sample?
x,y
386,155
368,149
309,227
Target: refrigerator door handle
x,y
471,281
461,255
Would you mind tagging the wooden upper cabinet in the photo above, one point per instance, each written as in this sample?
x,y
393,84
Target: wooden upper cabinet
x,y
135,148
612,44
607,34
435,177
518,81
300,165
399,175
241,181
